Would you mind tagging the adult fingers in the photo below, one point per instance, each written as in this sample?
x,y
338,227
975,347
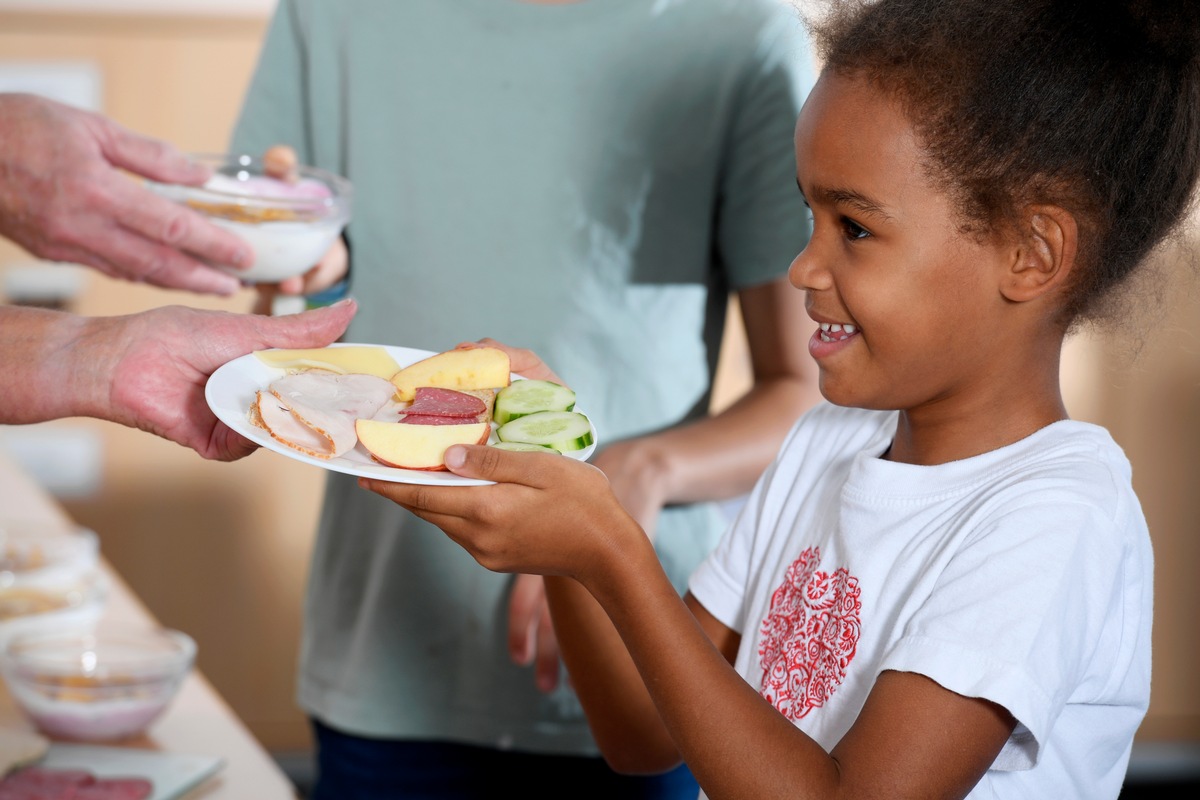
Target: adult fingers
x,y
524,610
315,327
546,663
171,224
150,158
140,259
228,445
525,363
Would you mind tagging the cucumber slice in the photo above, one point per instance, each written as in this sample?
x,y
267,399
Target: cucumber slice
x,y
526,447
529,396
562,430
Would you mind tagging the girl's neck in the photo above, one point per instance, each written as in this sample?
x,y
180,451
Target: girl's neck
x,y
951,429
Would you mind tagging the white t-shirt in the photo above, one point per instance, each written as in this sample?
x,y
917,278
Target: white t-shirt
x,y
1023,576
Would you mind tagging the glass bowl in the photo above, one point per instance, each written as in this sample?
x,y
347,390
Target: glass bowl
x,y
36,553
289,225
102,684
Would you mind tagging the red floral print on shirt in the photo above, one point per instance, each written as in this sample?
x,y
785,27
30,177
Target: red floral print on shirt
x,y
809,636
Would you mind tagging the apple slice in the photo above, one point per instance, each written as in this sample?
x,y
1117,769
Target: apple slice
x,y
408,446
463,370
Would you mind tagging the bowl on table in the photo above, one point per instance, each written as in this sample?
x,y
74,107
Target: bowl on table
x,y
102,684
289,224
49,578
36,553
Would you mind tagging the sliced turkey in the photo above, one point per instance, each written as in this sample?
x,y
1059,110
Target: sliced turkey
x,y
314,411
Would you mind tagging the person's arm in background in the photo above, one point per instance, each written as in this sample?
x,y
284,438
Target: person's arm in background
x,y
145,370
761,226
64,197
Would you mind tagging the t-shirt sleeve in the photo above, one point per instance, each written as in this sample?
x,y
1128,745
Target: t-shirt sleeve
x,y
722,582
274,109
762,223
1017,614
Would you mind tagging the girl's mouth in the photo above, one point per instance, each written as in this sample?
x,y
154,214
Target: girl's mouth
x,y
836,332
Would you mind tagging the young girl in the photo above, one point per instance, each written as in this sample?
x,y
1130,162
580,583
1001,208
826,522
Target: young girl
x,y
942,586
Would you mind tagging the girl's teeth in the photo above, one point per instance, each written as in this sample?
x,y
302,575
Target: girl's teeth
x,y
833,331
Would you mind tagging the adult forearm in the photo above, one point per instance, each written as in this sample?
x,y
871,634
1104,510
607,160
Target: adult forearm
x,y
721,457
48,369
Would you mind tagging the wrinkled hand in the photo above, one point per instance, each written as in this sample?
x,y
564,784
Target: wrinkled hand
x,y
162,359
63,197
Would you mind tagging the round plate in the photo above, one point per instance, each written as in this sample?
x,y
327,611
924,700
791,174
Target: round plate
x,y
230,392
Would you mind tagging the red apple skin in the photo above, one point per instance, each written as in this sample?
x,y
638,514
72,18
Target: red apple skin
x,y
483,439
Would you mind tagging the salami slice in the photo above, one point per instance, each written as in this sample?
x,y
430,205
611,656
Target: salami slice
x,y
432,419
434,402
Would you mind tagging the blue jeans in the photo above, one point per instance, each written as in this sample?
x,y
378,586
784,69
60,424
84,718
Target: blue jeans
x,y
356,768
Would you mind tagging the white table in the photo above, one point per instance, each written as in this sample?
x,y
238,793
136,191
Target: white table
x,y
198,722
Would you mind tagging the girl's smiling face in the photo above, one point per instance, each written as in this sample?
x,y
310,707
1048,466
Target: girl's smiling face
x,y
909,307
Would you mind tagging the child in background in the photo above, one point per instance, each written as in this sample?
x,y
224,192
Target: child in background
x,y
942,586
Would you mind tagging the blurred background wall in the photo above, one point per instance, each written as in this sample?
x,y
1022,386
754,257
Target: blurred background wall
x,y
221,550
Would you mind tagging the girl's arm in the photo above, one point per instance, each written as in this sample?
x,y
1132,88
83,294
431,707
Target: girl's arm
x,y
625,625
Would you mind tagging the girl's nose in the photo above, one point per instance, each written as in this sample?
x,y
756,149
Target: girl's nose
x,y
806,271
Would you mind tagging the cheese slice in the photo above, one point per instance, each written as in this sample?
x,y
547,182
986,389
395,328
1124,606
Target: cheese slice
x,y
354,359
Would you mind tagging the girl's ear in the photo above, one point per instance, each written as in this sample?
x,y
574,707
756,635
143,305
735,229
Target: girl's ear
x,y
1046,256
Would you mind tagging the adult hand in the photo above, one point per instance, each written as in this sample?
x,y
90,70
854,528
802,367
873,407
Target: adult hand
x,y
162,359
63,196
531,638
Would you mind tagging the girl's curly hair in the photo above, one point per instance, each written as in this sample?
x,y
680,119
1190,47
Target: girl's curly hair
x,y
1093,105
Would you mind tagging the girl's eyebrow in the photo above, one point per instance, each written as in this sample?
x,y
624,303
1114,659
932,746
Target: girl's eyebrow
x,y
847,197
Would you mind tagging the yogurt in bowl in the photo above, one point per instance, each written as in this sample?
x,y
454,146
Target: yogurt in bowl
x,y
289,224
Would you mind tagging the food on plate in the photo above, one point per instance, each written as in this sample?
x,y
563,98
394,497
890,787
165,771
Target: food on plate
x,y
526,447
432,401
523,397
353,400
474,368
417,446
563,430
357,359
314,412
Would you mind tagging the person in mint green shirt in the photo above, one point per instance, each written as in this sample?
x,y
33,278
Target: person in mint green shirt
x,y
590,180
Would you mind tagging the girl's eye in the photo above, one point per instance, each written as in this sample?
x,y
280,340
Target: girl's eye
x,y
853,230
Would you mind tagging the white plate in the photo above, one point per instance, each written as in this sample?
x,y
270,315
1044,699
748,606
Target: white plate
x,y
231,389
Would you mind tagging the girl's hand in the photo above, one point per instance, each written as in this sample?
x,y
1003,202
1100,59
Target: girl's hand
x,y
546,514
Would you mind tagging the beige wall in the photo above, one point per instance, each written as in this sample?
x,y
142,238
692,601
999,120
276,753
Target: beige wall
x,y
220,550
